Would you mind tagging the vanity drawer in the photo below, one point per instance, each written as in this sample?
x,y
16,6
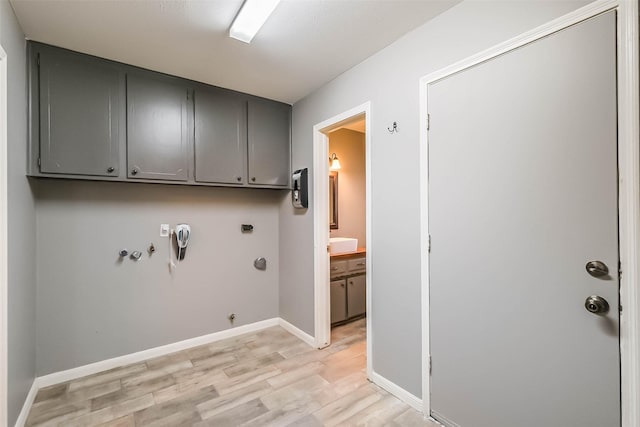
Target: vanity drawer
x,y
356,265
338,268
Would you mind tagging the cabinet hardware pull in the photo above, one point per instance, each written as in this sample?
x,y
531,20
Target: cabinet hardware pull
x,y
110,169
238,178
253,178
342,285
134,171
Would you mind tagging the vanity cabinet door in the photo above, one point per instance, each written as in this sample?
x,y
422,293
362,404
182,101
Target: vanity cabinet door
x,y
220,137
269,141
338,268
356,295
338,300
79,111
157,128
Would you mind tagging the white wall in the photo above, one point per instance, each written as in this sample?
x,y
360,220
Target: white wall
x,y
389,80
349,146
21,220
93,306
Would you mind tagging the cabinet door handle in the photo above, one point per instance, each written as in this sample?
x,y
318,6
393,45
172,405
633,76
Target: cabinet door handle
x,y
342,285
253,178
361,263
334,268
238,178
110,169
134,171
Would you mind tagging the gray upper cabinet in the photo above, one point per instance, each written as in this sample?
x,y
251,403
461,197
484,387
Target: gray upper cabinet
x,y
220,136
91,118
269,143
157,128
79,113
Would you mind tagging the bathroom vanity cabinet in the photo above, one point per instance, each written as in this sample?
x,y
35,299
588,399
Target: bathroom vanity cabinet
x,y
95,119
348,287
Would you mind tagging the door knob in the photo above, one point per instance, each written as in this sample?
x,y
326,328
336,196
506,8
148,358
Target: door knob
x,y
597,268
597,305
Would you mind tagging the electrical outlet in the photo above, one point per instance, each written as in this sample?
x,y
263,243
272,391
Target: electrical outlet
x,y
164,230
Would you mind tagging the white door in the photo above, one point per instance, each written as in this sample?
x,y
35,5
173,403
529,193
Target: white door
x,y
522,195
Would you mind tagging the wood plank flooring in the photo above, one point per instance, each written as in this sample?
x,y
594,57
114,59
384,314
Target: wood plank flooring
x,y
267,378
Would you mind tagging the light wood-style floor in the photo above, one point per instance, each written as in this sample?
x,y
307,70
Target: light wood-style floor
x,y
267,378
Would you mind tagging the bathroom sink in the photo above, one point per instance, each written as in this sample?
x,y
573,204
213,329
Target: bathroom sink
x,y
341,245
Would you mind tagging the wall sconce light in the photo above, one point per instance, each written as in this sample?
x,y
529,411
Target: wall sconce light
x,y
335,162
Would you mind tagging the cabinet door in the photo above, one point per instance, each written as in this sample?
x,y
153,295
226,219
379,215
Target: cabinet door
x,y
80,106
220,137
269,143
157,128
356,295
338,301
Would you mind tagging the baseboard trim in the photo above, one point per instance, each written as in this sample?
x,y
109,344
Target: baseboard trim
x,y
104,365
28,402
443,421
297,332
397,391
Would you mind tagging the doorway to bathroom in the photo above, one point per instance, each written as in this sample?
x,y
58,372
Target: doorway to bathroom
x,y
342,232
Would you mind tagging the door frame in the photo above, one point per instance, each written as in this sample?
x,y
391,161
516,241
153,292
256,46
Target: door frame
x,y
628,189
4,278
322,317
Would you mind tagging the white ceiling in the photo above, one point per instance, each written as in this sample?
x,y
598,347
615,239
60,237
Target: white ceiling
x,y
303,45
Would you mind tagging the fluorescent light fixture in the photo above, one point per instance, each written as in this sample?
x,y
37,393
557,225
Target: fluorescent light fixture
x,y
252,16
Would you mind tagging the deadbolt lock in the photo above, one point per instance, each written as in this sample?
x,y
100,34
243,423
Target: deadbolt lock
x,y
597,268
597,305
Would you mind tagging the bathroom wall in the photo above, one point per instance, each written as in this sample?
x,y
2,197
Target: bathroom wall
x,y
390,81
92,305
21,219
349,146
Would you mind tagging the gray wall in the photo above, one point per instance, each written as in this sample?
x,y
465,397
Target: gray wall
x,y
349,146
389,80
92,307
22,276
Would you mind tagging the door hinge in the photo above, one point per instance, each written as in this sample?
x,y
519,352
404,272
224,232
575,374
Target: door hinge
x,y
428,121
429,243
39,162
430,365
619,270
38,60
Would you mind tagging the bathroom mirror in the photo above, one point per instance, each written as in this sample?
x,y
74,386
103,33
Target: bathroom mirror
x,y
333,200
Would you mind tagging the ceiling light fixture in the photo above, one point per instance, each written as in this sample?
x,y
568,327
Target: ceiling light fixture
x,y
252,16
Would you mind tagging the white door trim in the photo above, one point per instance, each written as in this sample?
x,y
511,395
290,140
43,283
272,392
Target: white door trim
x,y
321,224
629,187
4,278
